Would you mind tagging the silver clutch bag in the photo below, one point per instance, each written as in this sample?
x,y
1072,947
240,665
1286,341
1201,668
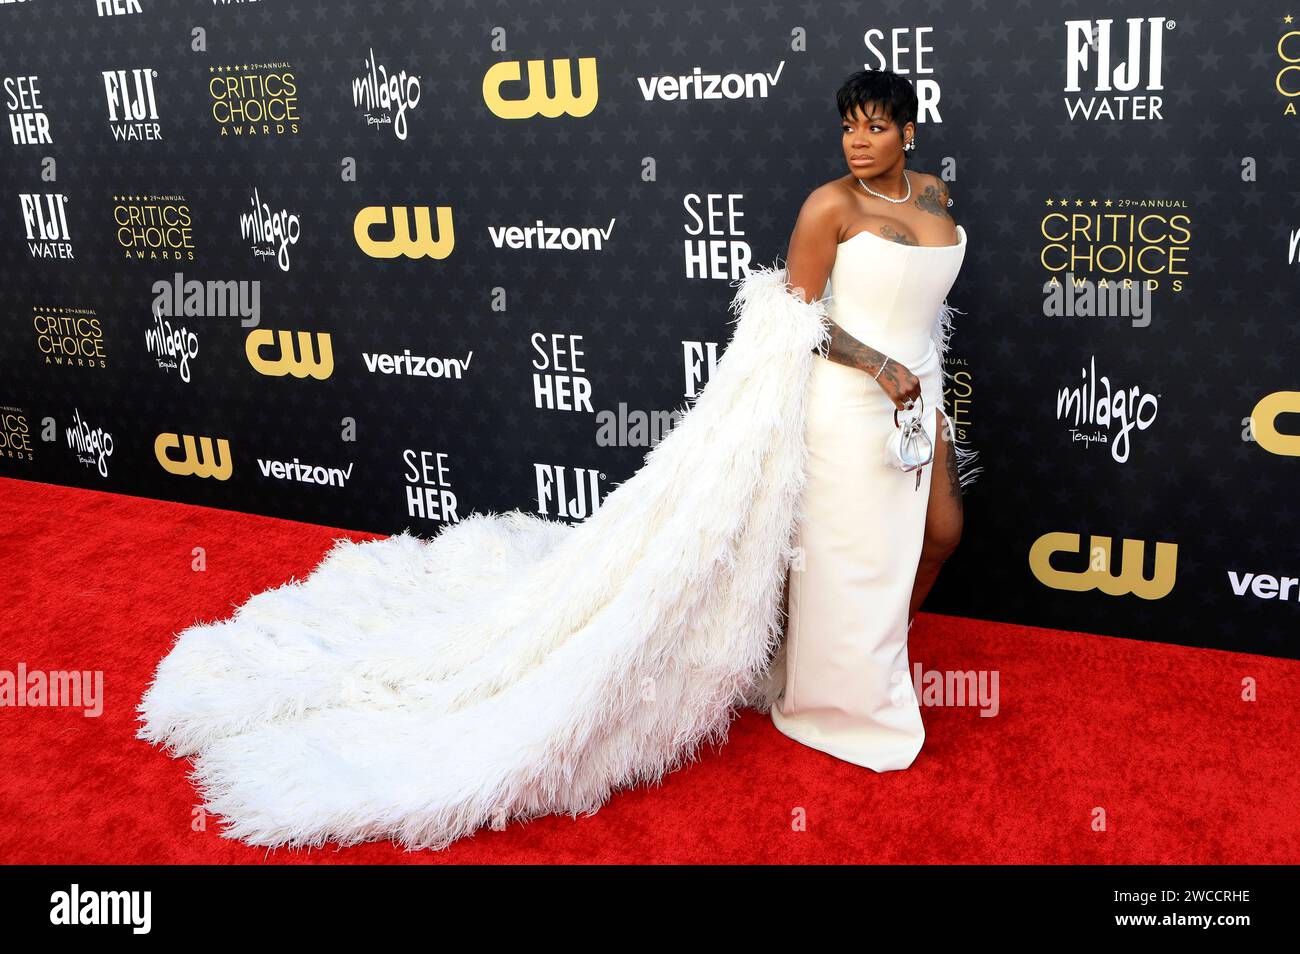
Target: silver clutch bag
x,y
909,447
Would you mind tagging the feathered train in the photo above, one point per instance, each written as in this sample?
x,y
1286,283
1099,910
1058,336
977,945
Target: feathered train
x,y
512,666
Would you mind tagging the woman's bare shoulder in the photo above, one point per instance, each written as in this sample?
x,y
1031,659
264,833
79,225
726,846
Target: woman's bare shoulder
x,y
829,202
835,190
934,185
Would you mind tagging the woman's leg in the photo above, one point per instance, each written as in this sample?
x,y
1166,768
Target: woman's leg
x,y
943,516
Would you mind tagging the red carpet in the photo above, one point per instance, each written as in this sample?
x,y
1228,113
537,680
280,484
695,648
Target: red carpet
x,y
1155,737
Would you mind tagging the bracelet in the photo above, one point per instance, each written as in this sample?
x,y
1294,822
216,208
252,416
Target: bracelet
x,y
876,376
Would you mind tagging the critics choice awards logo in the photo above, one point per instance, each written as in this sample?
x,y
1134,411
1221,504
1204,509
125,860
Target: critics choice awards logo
x,y
15,434
254,100
152,228
69,337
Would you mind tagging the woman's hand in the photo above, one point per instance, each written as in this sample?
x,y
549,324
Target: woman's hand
x,y
900,384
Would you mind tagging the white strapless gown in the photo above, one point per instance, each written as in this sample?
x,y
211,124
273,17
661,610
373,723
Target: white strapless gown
x,y
848,687
511,666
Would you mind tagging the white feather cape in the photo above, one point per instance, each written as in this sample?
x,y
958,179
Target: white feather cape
x,y
512,666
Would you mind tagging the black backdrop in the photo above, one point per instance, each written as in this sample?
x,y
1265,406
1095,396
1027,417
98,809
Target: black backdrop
x,y
1171,163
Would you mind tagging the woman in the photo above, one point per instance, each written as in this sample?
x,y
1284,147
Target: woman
x,y
872,538
511,666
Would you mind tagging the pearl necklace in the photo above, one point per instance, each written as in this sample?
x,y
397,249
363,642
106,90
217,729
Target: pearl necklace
x,y
887,198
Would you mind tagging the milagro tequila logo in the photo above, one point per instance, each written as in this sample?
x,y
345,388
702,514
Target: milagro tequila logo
x,y
173,346
1093,404
385,97
154,228
1119,71
69,337
45,217
28,124
93,446
256,100
132,105
271,232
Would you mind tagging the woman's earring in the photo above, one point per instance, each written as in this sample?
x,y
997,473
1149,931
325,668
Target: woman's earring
x,y
911,144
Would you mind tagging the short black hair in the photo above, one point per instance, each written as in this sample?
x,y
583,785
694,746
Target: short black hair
x,y
891,90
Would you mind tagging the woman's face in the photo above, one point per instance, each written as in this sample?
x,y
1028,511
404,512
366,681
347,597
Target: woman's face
x,y
872,143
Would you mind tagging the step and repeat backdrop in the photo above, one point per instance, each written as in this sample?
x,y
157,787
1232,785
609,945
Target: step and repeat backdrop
x,y
379,266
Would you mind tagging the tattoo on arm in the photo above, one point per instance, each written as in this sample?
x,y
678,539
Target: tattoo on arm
x,y
848,350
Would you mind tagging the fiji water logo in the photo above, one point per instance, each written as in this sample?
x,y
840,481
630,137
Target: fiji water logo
x,y
569,493
1115,76
132,104
45,217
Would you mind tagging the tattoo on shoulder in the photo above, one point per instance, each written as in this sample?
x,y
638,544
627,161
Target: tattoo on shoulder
x,y
934,199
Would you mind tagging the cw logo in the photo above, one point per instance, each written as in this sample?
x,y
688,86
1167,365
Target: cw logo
x,y
1263,423
309,362
537,102
402,243
199,462
1097,575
